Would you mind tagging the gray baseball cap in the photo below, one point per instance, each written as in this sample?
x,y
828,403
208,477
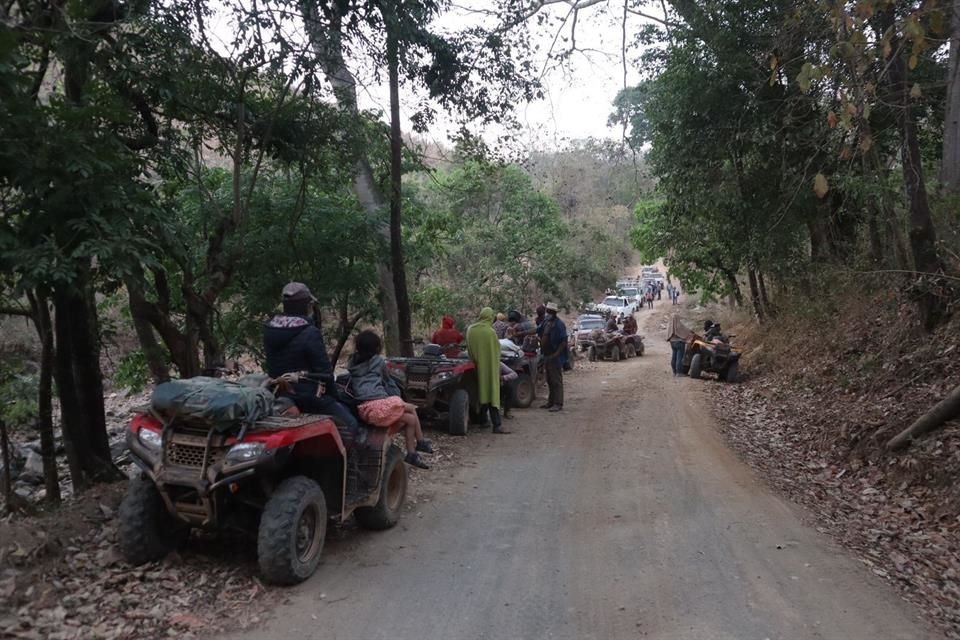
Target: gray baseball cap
x,y
297,291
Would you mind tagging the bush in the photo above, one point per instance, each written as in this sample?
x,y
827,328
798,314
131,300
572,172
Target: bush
x,y
132,373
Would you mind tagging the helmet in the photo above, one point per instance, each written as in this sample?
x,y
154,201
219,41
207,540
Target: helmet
x,y
514,316
707,324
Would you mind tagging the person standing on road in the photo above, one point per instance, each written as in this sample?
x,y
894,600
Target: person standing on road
x,y
677,336
484,350
553,347
507,376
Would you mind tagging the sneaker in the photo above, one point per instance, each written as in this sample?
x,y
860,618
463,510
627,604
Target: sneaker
x,y
546,406
413,458
556,408
500,430
424,446
508,416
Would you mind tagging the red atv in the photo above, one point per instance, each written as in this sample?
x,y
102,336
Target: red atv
x,y
439,384
281,478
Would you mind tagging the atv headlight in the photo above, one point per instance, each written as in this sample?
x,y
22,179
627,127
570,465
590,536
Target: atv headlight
x,y
150,439
245,452
437,378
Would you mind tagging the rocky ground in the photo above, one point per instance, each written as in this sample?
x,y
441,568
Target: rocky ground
x,y
820,398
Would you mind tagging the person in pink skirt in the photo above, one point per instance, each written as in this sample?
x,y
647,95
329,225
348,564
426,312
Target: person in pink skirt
x,y
380,402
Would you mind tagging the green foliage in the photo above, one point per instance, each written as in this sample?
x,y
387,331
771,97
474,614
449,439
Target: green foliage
x,y
18,395
132,372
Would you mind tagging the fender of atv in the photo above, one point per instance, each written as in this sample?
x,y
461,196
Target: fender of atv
x,y
313,435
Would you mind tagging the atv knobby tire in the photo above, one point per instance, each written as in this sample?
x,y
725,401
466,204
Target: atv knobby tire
x,y
696,364
146,531
631,351
459,418
292,529
393,494
615,353
731,373
592,354
524,391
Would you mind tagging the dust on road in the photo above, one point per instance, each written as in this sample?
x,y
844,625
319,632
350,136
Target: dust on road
x,y
624,516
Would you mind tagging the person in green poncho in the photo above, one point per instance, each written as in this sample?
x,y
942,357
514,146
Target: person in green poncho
x,y
484,350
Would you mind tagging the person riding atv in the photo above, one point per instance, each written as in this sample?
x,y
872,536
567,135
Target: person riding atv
x,y
294,343
711,331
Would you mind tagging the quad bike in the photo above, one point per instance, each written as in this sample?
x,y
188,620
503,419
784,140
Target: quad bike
x,y
711,356
437,384
611,345
280,478
529,370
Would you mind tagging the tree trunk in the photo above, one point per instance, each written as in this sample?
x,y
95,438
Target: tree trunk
x,y
327,42
149,317
6,481
944,410
764,299
731,278
48,446
950,170
396,202
80,384
755,295
923,237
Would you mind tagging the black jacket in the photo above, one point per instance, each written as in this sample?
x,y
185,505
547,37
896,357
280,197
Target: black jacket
x,y
293,344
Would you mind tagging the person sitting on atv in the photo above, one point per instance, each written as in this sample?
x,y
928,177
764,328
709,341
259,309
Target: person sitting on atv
x,y
380,401
711,331
448,337
630,326
294,344
612,325
520,327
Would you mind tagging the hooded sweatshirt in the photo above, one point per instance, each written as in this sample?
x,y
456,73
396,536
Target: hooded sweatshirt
x,y
448,337
292,344
369,379
484,350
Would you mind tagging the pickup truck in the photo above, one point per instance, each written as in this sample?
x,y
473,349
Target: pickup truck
x,y
617,306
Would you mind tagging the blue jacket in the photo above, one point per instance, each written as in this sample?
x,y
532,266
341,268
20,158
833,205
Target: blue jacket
x,y
556,340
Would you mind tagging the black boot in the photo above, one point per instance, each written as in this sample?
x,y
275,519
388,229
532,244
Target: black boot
x,y
497,422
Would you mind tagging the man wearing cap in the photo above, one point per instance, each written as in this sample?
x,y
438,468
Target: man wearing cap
x,y
293,343
553,347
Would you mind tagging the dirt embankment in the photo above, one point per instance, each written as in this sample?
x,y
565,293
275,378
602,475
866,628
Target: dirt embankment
x,y
824,390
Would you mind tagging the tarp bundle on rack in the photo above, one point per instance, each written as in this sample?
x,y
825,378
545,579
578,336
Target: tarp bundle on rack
x,y
210,402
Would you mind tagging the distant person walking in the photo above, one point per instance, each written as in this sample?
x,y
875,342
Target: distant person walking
x,y
484,350
553,347
676,295
677,336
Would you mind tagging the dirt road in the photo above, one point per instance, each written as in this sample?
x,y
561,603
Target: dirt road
x,y
623,517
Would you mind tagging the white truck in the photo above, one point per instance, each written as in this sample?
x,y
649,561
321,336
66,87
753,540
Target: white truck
x,y
617,306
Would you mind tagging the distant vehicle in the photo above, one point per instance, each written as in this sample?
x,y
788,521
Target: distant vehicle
x,y
584,326
632,293
617,306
